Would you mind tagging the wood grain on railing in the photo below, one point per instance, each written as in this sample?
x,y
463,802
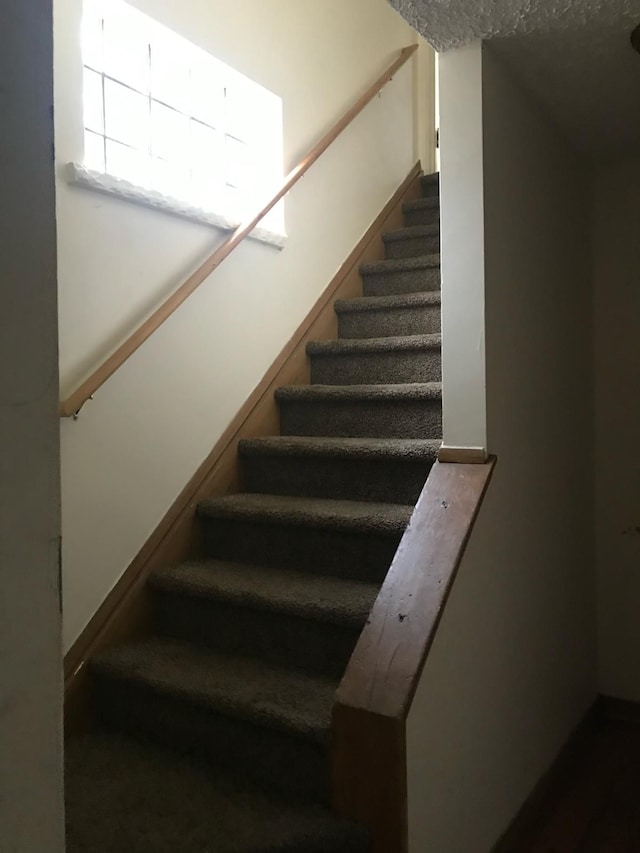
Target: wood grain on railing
x,y
375,695
72,404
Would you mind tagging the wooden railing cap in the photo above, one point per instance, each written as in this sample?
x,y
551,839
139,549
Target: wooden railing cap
x,y
386,665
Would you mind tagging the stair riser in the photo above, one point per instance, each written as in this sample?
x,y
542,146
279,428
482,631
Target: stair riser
x,y
345,554
426,216
422,320
377,368
366,419
279,639
274,760
430,189
412,248
345,479
396,283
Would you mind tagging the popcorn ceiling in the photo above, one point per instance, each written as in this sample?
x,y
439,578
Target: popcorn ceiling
x,y
451,23
573,55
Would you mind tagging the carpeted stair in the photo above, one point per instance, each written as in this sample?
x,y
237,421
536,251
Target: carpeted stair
x,y
216,730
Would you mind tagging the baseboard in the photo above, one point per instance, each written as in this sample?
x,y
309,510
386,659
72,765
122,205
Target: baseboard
x,y
125,613
544,791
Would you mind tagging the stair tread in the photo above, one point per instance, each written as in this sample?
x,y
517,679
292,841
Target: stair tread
x,y
283,591
346,393
244,688
411,232
395,265
124,794
356,346
383,303
428,203
360,448
430,179
381,518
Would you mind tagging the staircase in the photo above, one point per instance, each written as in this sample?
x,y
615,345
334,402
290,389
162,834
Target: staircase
x,y
215,731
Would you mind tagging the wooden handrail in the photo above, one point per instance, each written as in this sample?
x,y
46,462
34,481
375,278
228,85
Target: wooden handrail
x,y
72,405
376,692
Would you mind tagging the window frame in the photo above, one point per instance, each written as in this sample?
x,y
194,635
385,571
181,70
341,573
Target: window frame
x,y
230,202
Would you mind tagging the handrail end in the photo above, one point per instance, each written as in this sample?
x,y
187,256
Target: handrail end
x,y
70,408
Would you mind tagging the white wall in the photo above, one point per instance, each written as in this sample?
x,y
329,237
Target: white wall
x,y
616,253
136,446
513,667
464,417
31,813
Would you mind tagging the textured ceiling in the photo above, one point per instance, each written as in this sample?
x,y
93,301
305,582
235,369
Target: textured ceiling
x,y
574,55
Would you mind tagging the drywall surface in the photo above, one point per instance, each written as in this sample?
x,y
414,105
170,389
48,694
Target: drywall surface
x,y
461,22
513,667
616,251
462,213
136,446
575,55
31,810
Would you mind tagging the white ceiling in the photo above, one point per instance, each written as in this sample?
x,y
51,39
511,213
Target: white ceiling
x,y
574,55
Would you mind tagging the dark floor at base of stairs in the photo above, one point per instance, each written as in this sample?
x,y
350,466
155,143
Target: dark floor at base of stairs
x,y
128,796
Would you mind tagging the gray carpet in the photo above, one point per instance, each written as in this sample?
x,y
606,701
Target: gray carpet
x,y
215,730
127,796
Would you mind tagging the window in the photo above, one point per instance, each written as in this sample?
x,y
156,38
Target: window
x,y
163,115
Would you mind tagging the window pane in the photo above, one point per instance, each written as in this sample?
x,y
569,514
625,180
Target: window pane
x,y
208,193
126,51
171,179
207,151
127,115
92,43
169,133
174,118
170,73
93,106
239,164
238,205
127,163
207,91
94,151
207,165
240,110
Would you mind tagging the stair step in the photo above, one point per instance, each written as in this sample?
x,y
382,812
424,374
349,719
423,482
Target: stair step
x,y
422,211
376,361
265,723
412,242
430,184
128,795
345,539
403,275
367,411
381,316
285,617
357,469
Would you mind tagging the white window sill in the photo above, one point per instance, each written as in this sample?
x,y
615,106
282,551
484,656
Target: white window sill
x,y
82,177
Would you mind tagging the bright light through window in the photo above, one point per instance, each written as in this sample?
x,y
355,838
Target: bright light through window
x,y
164,115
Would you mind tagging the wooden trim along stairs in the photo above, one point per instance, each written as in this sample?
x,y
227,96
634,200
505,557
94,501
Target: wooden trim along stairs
x,y
124,613
227,637
464,455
